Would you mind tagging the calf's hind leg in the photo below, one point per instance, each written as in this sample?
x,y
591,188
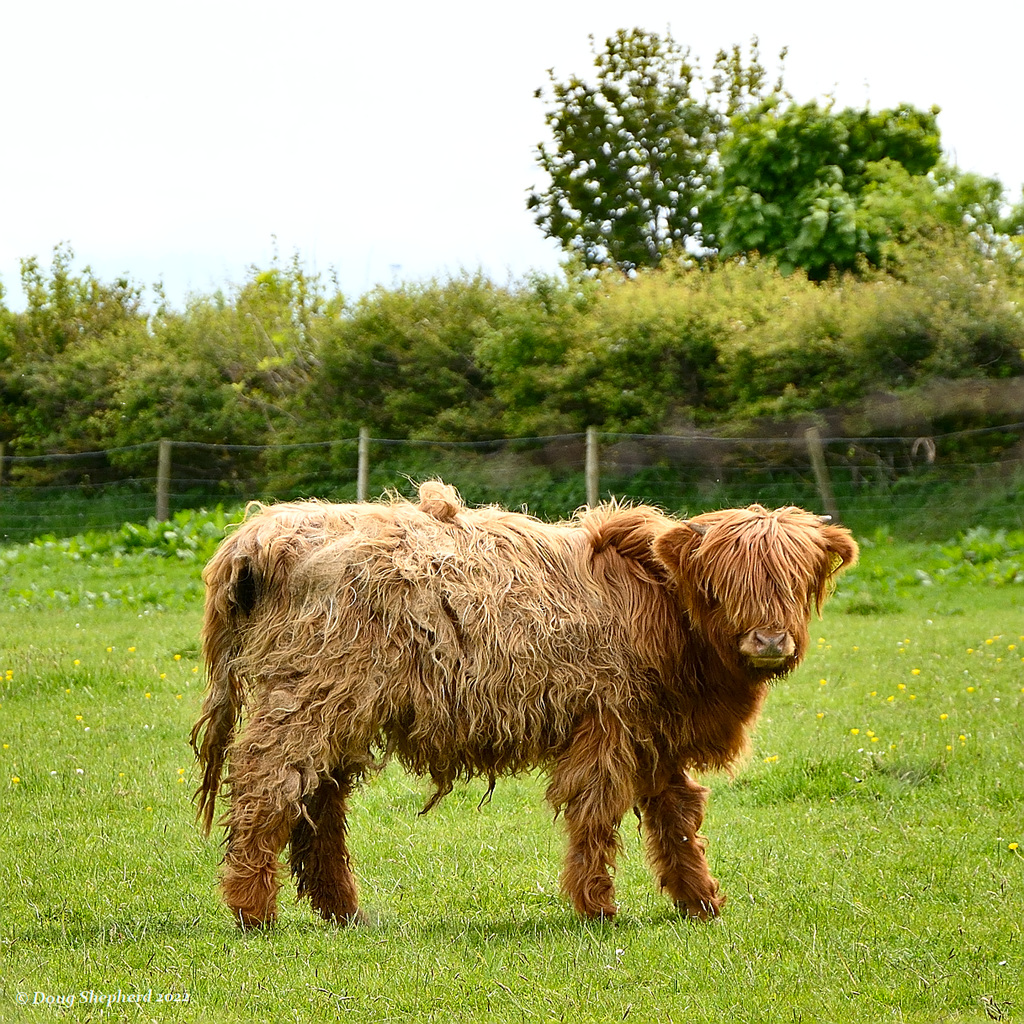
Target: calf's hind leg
x,y
273,767
672,816
319,852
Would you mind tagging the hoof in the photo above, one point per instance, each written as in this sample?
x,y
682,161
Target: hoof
x,y
354,919
701,910
248,921
599,913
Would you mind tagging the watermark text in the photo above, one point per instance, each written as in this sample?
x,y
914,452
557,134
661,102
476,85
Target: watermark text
x,y
91,997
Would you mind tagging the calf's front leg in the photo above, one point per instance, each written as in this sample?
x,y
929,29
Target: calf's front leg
x,y
672,816
591,784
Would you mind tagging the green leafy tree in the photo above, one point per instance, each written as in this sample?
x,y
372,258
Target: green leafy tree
x,y
64,350
822,190
633,153
401,362
227,370
525,352
9,370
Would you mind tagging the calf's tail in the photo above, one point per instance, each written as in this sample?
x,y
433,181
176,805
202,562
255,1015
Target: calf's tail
x,y
231,590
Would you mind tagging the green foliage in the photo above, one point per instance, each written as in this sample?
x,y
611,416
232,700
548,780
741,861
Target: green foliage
x,y
741,341
63,352
623,355
189,535
227,372
793,181
402,362
982,556
632,154
104,568
735,345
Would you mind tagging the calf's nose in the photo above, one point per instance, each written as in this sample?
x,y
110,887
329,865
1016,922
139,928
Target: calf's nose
x,y
771,644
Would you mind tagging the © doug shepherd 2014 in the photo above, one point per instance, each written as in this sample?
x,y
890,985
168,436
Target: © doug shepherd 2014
x,y
618,652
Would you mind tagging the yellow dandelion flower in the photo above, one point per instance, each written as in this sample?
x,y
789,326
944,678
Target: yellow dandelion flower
x,y
772,759
855,732
1012,846
76,662
970,650
915,671
901,686
148,695
970,689
890,698
912,696
943,716
873,693
823,682
110,650
131,650
874,739
177,657
989,642
78,718
1012,647
962,738
15,779
948,747
821,714
869,733
163,675
177,696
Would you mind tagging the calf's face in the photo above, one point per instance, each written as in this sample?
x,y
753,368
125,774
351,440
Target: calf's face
x,y
750,579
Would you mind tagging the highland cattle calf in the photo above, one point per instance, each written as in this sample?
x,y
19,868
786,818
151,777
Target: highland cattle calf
x,y
619,652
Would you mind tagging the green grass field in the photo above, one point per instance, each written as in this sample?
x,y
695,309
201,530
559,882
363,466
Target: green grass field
x,y
872,846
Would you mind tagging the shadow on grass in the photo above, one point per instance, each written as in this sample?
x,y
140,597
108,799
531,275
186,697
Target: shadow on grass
x,y
66,927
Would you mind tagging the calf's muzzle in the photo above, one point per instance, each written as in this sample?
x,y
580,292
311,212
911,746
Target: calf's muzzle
x,y
767,648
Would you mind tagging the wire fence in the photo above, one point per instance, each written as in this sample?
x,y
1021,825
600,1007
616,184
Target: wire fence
x,y
860,479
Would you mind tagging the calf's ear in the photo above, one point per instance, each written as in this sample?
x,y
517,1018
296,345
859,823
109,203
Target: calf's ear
x,y
843,547
673,547
843,553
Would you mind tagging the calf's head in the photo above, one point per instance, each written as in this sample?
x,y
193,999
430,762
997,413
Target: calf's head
x,y
750,578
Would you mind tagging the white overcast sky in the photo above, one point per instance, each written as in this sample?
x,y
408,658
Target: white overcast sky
x,y
389,140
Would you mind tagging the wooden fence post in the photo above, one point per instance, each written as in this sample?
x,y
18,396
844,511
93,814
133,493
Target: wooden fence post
x,y
816,450
593,468
363,469
163,481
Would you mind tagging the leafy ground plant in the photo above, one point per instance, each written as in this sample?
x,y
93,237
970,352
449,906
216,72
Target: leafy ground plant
x,y
872,847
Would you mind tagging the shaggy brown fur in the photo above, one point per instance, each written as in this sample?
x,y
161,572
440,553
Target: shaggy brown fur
x,y
618,652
